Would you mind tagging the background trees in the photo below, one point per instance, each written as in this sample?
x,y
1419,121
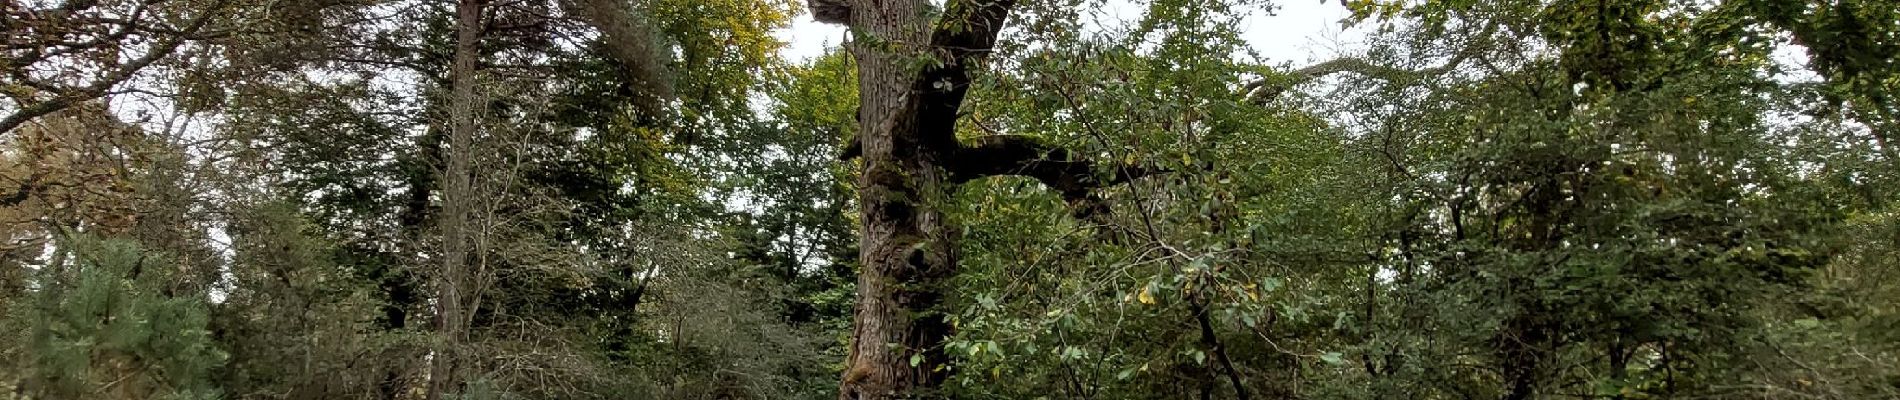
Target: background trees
x,y
603,199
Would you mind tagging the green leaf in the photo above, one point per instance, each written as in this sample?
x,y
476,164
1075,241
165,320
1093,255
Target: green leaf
x,y
1333,358
1808,323
1268,284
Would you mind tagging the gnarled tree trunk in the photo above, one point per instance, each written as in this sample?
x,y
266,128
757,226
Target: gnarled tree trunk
x,y
912,161
905,252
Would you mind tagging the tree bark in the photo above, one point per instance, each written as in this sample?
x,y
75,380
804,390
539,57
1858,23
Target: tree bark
x,y
904,252
911,162
457,193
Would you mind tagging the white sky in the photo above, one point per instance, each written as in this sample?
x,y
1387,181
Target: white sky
x,y
1299,32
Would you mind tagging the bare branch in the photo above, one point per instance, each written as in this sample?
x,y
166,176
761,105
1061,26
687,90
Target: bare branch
x,y
100,87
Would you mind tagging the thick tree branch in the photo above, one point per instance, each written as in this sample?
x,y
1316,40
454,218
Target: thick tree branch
x,y
1266,90
965,35
1025,156
962,38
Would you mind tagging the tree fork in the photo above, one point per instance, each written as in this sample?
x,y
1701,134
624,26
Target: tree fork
x,y
911,161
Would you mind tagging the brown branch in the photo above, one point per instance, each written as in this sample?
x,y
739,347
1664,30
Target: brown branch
x,y
26,190
1025,156
962,38
46,50
99,88
965,35
1265,90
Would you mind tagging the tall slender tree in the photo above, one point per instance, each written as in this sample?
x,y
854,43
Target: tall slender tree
x,y
453,281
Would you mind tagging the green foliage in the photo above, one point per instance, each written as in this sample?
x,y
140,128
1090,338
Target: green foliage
x,y
296,320
1620,199
1623,214
110,324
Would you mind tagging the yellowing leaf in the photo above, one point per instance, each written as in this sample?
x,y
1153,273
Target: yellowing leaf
x,y
1146,296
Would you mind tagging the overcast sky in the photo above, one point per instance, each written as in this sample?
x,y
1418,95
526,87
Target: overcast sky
x,y
1300,31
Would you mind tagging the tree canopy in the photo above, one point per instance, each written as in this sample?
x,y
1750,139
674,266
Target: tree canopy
x,y
968,199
